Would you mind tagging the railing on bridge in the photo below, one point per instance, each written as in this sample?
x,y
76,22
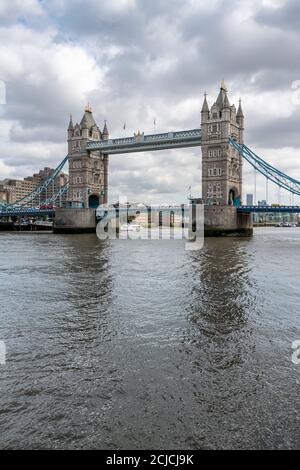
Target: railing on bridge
x,y
141,142
26,211
270,209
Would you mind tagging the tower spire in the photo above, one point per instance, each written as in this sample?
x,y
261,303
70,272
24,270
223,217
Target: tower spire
x,y
205,108
240,110
88,120
226,103
71,125
105,133
223,85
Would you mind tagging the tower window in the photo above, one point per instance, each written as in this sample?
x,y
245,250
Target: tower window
x,y
213,153
214,172
77,164
214,191
76,145
214,128
77,179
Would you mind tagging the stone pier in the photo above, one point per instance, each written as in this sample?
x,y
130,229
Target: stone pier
x,y
226,221
75,221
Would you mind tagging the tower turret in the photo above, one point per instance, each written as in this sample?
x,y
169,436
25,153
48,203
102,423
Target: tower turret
x,y
71,125
240,119
226,109
204,117
105,133
205,110
70,134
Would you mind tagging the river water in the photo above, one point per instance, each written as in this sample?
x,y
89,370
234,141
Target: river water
x,y
143,345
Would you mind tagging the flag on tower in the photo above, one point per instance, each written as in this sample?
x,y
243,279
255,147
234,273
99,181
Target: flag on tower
x,y
124,126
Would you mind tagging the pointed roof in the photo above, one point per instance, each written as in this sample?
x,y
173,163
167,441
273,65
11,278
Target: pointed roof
x,y
71,125
88,120
205,108
240,110
226,103
222,100
105,130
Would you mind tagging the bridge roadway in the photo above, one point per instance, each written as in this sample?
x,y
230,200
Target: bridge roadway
x,y
28,211
143,143
270,209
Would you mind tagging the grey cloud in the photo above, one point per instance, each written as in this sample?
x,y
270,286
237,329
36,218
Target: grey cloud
x,y
167,54
276,133
37,134
286,17
13,11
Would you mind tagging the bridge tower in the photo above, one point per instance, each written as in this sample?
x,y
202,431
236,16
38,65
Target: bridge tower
x,y
221,163
88,177
222,168
88,171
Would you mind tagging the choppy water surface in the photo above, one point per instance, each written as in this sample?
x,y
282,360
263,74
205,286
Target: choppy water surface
x,y
132,345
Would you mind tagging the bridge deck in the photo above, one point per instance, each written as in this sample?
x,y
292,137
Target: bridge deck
x,y
26,211
270,209
142,143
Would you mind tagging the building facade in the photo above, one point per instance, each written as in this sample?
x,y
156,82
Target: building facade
x,y
88,171
221,163
12,190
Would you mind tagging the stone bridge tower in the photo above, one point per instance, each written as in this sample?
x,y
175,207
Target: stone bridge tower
x,y
221,163
88,171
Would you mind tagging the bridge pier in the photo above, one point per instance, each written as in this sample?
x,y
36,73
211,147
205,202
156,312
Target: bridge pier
x,y
74,221
226,221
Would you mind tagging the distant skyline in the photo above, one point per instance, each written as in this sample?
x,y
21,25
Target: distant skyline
x,y
137,61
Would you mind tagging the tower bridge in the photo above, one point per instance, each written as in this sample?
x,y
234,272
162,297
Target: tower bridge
x,y
221,138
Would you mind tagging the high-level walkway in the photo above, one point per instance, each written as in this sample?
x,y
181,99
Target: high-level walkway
x,y
143,143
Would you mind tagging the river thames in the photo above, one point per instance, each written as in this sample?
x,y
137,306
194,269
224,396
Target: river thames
x,y
143,345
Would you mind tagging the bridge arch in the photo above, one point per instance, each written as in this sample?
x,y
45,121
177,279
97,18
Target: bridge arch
x,y
233,196
94,201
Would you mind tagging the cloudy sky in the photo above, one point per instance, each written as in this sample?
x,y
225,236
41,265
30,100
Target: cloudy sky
x,y
136,60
